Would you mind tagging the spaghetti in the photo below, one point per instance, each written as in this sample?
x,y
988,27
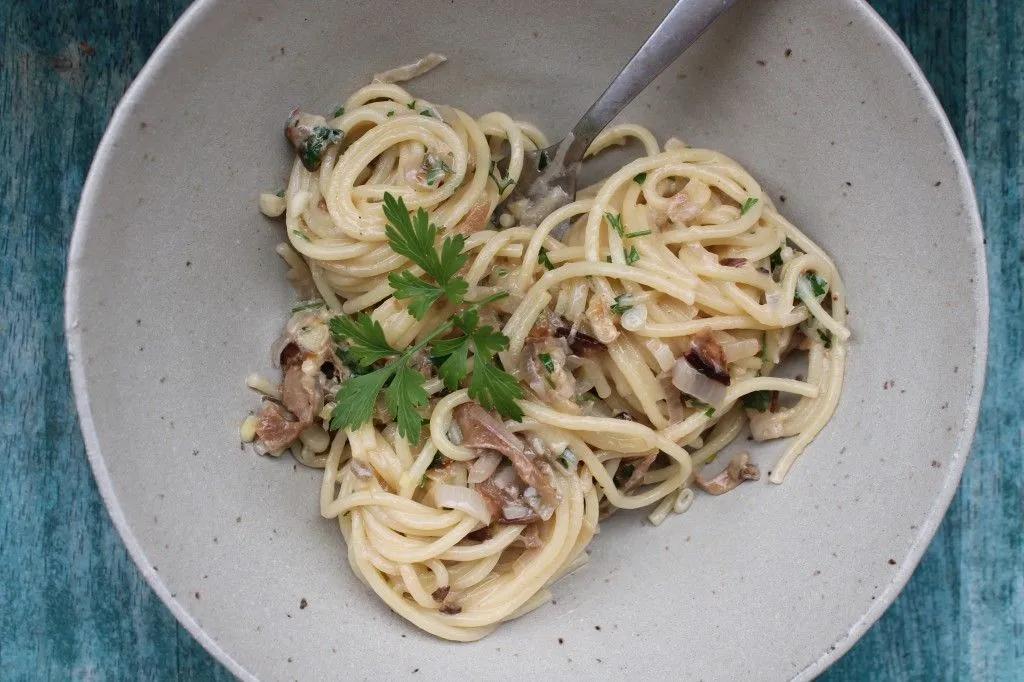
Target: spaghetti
x,y
641,344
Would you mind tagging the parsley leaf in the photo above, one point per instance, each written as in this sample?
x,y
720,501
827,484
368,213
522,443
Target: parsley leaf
x,y
496,176
312,150
825,336
621,304
493,388
412,104
340,111
758,400
368,344
357,397
616,222
435,169
639,178
632,256
414,237
748,204
816,284
544,260
549,364
403,395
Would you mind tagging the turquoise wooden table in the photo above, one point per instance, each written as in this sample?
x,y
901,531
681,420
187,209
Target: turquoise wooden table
x,y
73,606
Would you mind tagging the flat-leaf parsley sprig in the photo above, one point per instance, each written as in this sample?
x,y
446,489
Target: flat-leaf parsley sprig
x,y
413,236
362,340
402,385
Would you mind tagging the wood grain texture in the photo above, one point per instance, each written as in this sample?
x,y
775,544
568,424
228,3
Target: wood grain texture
x,y
73,606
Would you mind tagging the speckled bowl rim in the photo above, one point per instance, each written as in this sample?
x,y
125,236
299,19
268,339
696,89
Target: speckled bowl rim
x,y
195,14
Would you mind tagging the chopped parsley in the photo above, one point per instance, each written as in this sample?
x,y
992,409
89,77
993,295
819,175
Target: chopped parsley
x,y
641,233
340,111
621,304
825,336
748,204
710,412
639,178
615,220
428,113
549,364
758,400
412,105
817,285
496,176
544,260
390,113
312,149
436,169
632,256
279,193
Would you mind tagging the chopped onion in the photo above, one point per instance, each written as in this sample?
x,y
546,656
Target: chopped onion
x,y
662,353
693,383
455,433
484,466
514,512
464,499
744,348
532,498
634,318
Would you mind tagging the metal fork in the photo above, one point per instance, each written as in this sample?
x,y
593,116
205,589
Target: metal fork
x,y
548,177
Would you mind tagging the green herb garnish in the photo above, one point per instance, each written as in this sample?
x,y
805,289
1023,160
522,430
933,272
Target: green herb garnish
x,y
544,260
616,222
413,237
340,111
639,178
390,113
312,149
436,169
300,235
496,176
758,400
642,233
279,193
816,284
825,336
632,256
748,204
412,105
549,364
621,304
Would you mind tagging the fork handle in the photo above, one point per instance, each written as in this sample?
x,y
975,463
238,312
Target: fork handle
x,y
677,31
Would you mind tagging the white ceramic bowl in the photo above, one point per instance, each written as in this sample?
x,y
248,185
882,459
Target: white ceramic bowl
x,y
174,294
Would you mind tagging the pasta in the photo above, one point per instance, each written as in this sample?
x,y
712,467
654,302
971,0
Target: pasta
x,y
639,343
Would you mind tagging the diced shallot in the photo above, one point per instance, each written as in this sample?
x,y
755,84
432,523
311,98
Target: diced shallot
x,y
694,384
464,499
661,352
484,466
743,348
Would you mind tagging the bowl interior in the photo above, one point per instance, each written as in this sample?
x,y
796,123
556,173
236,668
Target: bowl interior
x,y
175,294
